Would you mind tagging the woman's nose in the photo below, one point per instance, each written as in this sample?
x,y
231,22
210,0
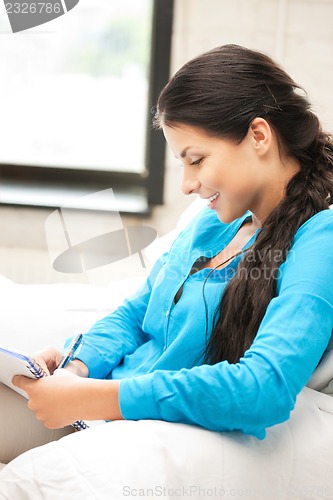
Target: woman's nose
x,y
190,183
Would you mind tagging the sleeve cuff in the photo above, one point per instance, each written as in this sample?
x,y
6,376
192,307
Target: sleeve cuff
x,y
136,398
89,355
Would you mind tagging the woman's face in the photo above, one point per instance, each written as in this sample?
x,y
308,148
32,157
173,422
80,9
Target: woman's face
x,y
230,176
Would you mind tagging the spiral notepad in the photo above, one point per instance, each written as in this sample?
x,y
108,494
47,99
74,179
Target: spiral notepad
x,y
17,363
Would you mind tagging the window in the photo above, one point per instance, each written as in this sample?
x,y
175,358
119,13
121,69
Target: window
x,y
76,105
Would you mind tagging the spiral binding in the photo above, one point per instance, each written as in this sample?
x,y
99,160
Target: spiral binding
x,y
80,425
35,369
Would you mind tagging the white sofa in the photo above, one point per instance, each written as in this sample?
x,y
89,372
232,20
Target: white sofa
x,y
294,461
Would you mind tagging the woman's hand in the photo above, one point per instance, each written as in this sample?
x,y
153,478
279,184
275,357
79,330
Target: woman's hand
x,y
50,358
53,399
63,398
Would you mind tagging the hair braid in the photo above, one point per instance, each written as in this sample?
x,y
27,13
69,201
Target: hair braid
x,y
307,193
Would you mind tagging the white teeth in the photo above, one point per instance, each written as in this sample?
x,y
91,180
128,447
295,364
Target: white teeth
x,y
212,198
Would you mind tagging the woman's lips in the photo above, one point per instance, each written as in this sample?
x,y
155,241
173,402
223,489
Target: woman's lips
x,y
212,200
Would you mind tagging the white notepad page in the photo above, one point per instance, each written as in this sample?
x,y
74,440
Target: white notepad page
x,y
17,363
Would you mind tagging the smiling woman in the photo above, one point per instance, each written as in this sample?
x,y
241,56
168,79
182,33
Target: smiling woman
x,y
266,153
215,350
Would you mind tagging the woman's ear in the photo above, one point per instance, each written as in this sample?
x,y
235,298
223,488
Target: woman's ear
x,y
261,135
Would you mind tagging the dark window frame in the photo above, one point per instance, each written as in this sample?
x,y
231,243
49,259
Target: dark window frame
x,y
150,183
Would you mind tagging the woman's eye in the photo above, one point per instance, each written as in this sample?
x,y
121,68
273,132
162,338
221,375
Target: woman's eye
x,y
197,162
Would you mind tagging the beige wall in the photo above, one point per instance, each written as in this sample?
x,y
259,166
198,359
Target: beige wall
x,y
297,33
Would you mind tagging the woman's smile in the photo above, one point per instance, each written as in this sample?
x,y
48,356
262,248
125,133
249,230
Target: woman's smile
x,y
212,200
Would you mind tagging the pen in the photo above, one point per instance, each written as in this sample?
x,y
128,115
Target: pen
x,y
71,351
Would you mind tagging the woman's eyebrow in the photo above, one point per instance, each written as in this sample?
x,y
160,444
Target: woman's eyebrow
x,y
184,152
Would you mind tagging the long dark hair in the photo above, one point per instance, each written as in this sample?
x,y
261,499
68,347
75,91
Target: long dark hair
x,y
222,92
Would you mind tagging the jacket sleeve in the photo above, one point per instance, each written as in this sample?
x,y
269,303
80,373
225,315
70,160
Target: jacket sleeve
x,y
119,333
261,389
